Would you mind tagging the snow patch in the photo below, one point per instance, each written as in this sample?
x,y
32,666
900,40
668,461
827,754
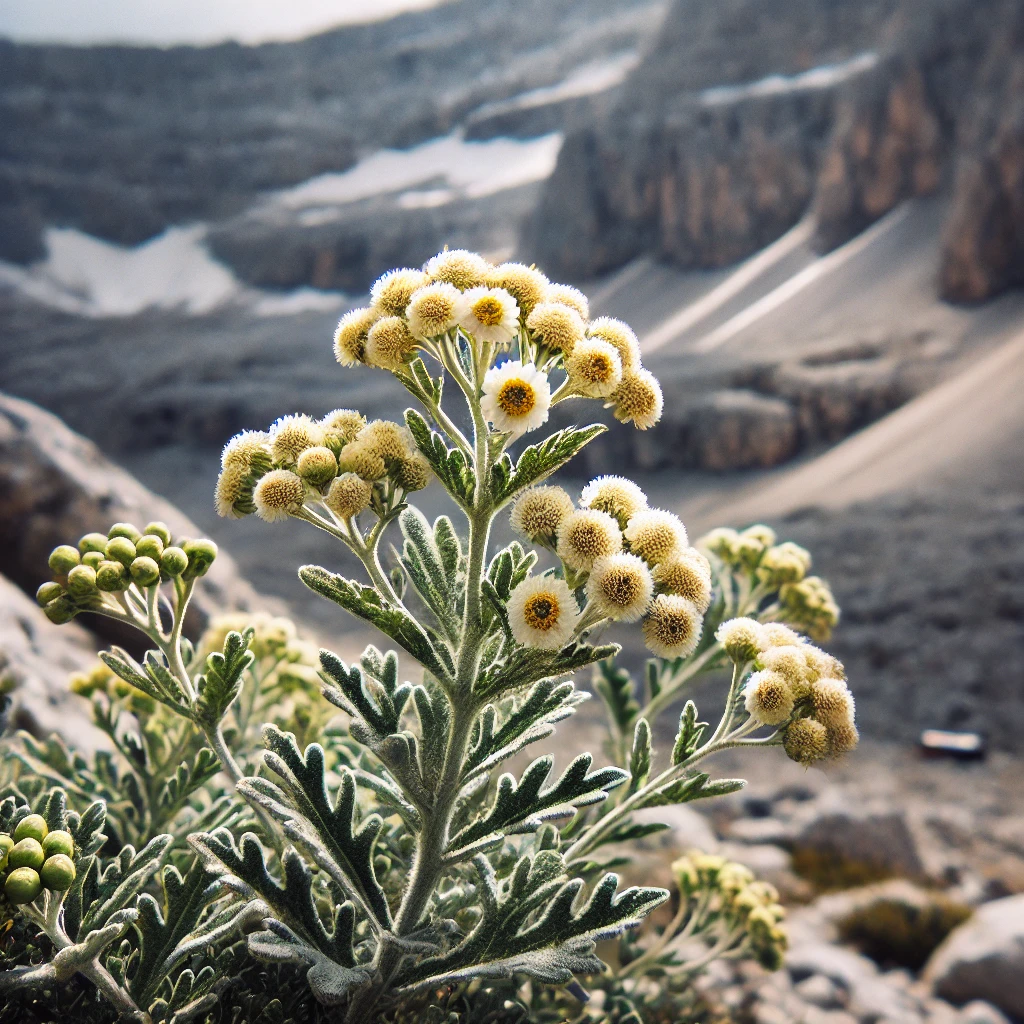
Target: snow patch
x,y
174,271
465,167
823,77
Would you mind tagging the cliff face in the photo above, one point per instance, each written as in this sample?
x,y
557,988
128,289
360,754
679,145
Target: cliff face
x,y
746,115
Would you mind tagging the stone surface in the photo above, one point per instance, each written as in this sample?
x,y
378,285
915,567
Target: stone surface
x,y
56,486
741,430
979,1012
688,829
821,991
984,958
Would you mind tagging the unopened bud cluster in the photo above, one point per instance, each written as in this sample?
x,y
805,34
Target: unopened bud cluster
x,y
34,859
631,563
110,564
794,685
776,571
340,462
728,894
459,294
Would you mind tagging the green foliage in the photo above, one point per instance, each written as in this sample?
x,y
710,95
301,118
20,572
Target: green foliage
x,y
539,461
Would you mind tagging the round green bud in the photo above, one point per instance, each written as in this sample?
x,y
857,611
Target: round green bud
x,y
145,571
48,592
26,854
201,554
63,559
124,530
58,873
173,561
22,886
58,842
92,542
60,610
111,577
93,559
6,845
149,546
82,581
158,529
122,550
32,826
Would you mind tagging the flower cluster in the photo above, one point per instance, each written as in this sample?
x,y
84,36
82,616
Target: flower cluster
x,y
776,571
794,685
459,294
340,462
747,912
103,567
34,859
631,562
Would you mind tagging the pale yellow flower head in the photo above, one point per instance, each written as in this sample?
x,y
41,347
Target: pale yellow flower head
x,y
790,662
769,698
842,738
621,336
568,296
278,494
348,495
655,535
620,586
391,293
290,436
556,326
412,473
593,368
741,638
350,336
317,466
672,626
778,634
688,574
526,285
360,458
638,399
232,487
458,267
346,423
615,495
389,344
586,535
539,512
249,448
542,612
806,741
433,310
832,702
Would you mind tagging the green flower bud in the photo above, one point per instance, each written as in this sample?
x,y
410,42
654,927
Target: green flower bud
x,y
173,561
6,845
82,581
124,530
122,550
26,854
111,577
63,559
160,530
201,554
149,546
58,873
317,466
22,886
92,542
60,610
93,559
145,571
48,592
32,826
58,842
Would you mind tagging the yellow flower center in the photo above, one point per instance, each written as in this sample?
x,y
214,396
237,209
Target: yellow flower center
x,y
435,309
622,586
541,611
516,397
488,311
600,368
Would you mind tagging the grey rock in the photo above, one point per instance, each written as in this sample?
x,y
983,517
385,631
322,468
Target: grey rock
x,y
821,991
979,1012
839,965
36,658
56,486
984,958
817,1015
760,830
688,829
742,430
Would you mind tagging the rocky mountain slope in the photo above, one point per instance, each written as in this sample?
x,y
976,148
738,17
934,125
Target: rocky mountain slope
x,y
746,115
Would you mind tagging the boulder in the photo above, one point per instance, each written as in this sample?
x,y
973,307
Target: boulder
x,y
56,486
738,429
980,1012
984,958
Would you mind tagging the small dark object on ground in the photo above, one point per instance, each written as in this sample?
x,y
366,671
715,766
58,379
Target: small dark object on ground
x,y
961,746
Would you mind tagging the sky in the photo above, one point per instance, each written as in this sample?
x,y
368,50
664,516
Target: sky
x,y
165,22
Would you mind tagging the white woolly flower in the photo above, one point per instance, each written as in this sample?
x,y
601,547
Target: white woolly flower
x,y
594,368
615,495
278,494
585,535
620,586
655,535
490,314
768,698
672,626
516,397
433,309
542,612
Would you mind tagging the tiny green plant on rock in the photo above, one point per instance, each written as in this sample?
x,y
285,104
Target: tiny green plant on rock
x,y
274,834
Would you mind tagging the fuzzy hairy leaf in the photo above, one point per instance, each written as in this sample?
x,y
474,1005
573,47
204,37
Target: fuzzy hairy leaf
x,y
152,678
367,604
524,806
615,685
221,682
689,735
698,786
434,577
539,461
450,465
371,692
640,756
525,666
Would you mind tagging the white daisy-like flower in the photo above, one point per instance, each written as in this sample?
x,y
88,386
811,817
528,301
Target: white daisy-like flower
x,y
542,612
516,397
620,586
433,309
490,314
